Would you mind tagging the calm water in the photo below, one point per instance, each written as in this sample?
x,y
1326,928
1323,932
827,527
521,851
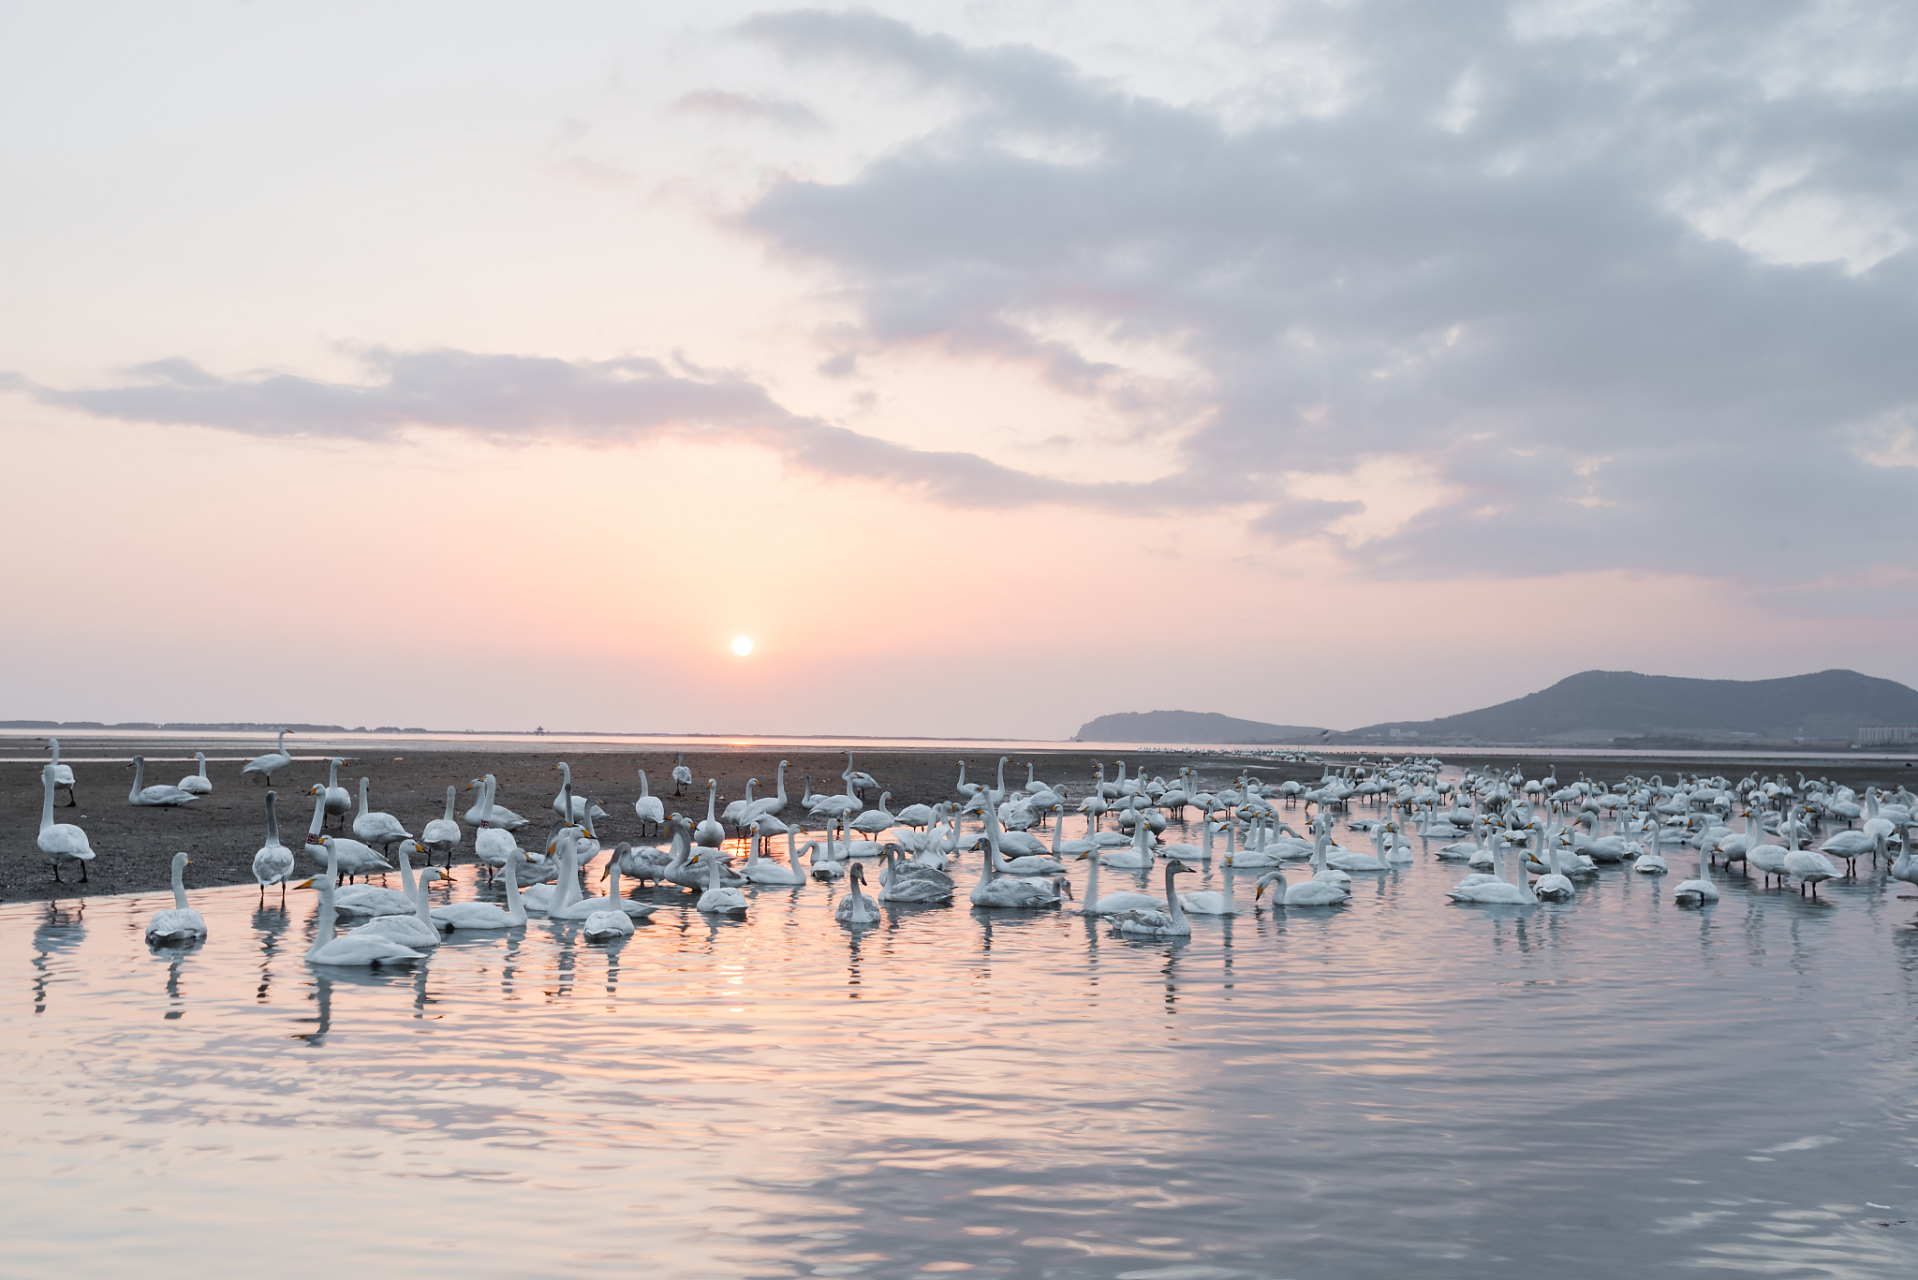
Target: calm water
x,y
1403,1087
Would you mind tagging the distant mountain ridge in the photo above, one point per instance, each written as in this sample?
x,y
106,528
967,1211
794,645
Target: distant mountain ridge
x,y
1190,726
1592,707
1597,706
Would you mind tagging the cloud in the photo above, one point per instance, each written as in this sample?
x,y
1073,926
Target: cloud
x,y
1563,264
630,401
750,108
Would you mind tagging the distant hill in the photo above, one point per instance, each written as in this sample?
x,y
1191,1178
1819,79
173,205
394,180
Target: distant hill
x,y
1598,706
1189,726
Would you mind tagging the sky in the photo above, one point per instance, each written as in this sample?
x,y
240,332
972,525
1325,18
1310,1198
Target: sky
x,y
992,366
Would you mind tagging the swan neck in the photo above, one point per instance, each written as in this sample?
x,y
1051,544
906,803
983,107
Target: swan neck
x,y
179,884
363,797
272,820
46,800
139,776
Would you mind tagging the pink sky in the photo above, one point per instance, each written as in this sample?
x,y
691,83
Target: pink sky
x,y
992,370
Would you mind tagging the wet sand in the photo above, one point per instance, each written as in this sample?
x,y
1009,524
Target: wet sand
x,y
134,846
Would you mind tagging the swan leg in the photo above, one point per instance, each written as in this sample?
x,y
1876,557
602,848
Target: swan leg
x,y
83,872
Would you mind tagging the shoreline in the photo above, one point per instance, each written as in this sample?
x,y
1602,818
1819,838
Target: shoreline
x,y
222,831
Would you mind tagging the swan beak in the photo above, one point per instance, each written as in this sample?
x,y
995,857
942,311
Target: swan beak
x,y
304,884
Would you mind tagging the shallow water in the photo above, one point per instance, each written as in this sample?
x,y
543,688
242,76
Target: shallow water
x,y
1398,1087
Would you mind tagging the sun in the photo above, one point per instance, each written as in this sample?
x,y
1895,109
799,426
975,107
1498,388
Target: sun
x,y
742,645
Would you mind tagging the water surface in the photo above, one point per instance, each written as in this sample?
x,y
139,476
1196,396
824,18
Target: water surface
x,y
1399,1087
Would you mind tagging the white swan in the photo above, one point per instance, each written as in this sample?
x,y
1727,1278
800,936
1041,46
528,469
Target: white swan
x,y
367,899
492,844
856,907
761,870
564,890
442,835
264,767
1137,855
339,801
682,776
374,827
198,783
60,841
605,925
1307,893
719,899
1811,867
484,915
1012,891
62,774
1113,903
1554,886
413,928
158,795
577,809
1157,924
1495,890
354,858
876,819
357,948
574,906
179,923
502,817
710,833
1211,902
650,808
1700,891
272,861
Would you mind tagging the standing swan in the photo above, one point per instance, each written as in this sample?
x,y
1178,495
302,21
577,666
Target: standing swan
x,y
339,801
273,861
264,767
62,774
198,783
60,841
682,776
372,827
158,795
442,835
649,807
180,923
492,845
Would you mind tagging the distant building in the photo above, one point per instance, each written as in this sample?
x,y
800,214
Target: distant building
x,y
1887,735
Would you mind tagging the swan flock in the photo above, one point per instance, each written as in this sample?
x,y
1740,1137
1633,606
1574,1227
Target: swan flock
x,y
1526,842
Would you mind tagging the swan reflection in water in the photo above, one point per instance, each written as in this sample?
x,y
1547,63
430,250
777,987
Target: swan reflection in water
x,y
61,930
270,924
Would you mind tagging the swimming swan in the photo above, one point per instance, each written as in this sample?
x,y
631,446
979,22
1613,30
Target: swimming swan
x,y
856,907
1157,924
179,923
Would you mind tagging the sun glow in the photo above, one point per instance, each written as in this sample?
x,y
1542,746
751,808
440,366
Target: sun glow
x,y
742,645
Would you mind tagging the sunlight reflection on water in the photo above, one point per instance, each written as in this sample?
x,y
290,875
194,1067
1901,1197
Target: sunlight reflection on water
x,y
1402,1086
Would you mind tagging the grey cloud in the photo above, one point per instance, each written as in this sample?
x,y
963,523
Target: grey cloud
x,y
1369,282
745,106
631,401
